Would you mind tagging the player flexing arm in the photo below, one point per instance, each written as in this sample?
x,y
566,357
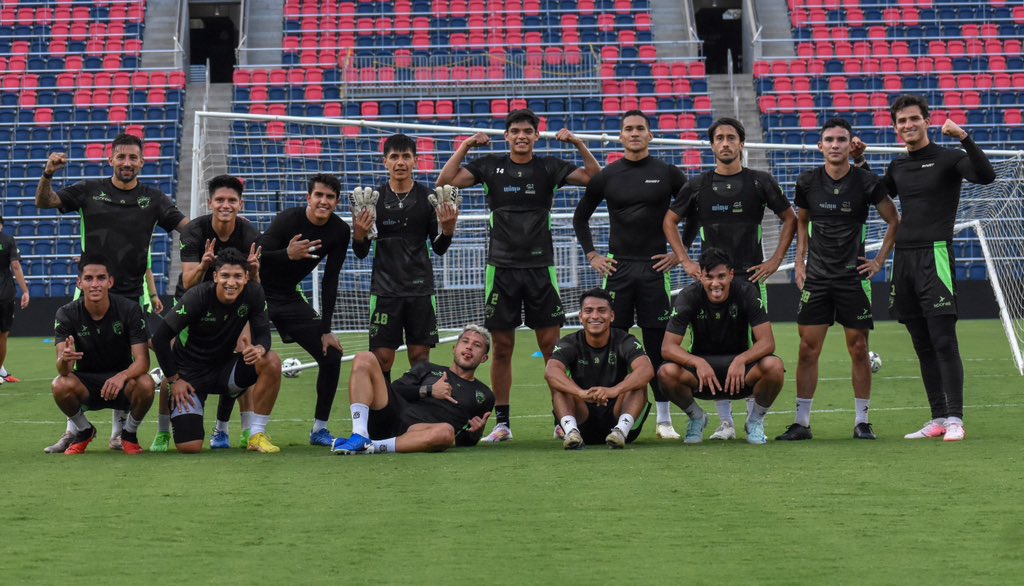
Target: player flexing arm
x,y
923,296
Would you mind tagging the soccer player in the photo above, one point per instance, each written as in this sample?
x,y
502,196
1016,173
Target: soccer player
x,y
429,409
598,378
201,241
637,190
927,180
10,270
832,272
402,285
118,217
720,312
293,245
520,189
727,206
205,325
102,357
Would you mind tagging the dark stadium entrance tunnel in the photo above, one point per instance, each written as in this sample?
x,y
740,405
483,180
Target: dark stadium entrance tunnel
x,y
213,30
720,26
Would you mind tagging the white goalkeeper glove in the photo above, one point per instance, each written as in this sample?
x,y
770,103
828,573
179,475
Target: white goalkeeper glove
x,y
365,198
446,194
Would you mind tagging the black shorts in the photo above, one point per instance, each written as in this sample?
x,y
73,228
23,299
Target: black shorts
x,y
923,282
6,316
602,419
636,287
94,382
822,303
387,422
721,364
232,378
510,291
292,313
390,316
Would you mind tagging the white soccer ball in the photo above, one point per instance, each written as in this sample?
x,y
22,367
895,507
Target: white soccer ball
x,y
290,363
876,362
158,377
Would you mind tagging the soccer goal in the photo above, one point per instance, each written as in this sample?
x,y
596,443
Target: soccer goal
x,y
275,155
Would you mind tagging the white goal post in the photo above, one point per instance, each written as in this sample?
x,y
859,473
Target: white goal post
x,y
276,154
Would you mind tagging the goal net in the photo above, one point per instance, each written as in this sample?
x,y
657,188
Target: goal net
x,y
276,155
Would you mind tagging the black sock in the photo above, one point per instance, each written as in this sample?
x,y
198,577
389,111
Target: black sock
x,y
129,436
931,373
501,412
652,346
942,329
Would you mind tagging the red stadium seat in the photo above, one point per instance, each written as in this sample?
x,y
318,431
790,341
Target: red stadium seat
x,y
687,121
445,109
333,110
95,152
667,122
883,117
768,104
783,84
44,116
1013,117
425,109
118,114
808,120
499,108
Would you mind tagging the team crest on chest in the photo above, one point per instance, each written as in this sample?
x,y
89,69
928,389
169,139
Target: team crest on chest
x,y
144,201
243,310
118,328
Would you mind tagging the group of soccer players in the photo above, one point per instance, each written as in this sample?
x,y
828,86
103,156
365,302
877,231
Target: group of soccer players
x,y
235,282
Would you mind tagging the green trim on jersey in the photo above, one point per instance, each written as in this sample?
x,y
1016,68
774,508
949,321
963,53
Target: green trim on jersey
x,y
942,265
183,337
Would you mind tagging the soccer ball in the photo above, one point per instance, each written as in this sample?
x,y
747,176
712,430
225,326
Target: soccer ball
x,y
157,375
876,362
290,363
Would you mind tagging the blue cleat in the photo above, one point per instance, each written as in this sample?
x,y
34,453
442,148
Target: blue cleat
x,y
356,444
220,441
755,433
695,430
321,438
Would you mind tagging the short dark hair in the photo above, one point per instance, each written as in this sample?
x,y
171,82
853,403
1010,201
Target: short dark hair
x,y
324,179
596,293
647,119
712,257
906,101
524,115
93,259
231,256
229,181
837,123
126,140
727,121
399,143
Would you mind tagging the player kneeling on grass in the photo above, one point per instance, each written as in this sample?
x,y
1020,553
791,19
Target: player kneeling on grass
x,y
598,378
102,357
429,409
205,325
721,312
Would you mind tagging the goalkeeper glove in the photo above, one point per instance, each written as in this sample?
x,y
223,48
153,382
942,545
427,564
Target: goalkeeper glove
x,y
365,198
446,194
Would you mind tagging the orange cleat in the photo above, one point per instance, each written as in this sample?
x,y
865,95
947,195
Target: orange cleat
x,y
81,441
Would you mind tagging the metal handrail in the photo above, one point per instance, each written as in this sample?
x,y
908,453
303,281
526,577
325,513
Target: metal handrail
x,y
179,34
241,52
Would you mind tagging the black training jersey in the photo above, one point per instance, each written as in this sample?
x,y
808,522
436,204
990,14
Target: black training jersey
x,y
598,367
729,209
474,398
106,345
281,276
638,194
838,213
8,254
927,182
199,230
119,225
401,261
207,330
520,199
718,329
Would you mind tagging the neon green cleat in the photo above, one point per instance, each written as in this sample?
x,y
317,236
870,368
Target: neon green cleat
x,y
161,442
244,443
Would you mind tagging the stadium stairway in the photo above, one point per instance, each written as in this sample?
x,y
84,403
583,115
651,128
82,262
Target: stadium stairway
x,y
263,31
161,24
774,19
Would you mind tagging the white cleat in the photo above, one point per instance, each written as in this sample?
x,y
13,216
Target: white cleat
x,y
954,432
725,431
500,433
933,429
665,431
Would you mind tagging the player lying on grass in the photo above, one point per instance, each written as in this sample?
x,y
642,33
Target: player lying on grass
x,y
721,312
429,409
205,325
598,378
102,357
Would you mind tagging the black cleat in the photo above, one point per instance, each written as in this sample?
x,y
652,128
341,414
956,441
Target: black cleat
x,y
795,432
863,431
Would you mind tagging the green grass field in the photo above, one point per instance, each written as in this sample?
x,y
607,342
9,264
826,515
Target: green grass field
x,y
827,511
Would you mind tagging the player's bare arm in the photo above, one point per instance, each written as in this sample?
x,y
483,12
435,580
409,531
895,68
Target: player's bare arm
x,y
554,374
453,173
888,212
670,226
802,242
113,386
46,197
764,345
590,167
641,375
19,276
768,267
67,356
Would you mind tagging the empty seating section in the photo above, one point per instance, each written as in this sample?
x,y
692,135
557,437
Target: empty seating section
x,y
578,63
854,57
71,80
